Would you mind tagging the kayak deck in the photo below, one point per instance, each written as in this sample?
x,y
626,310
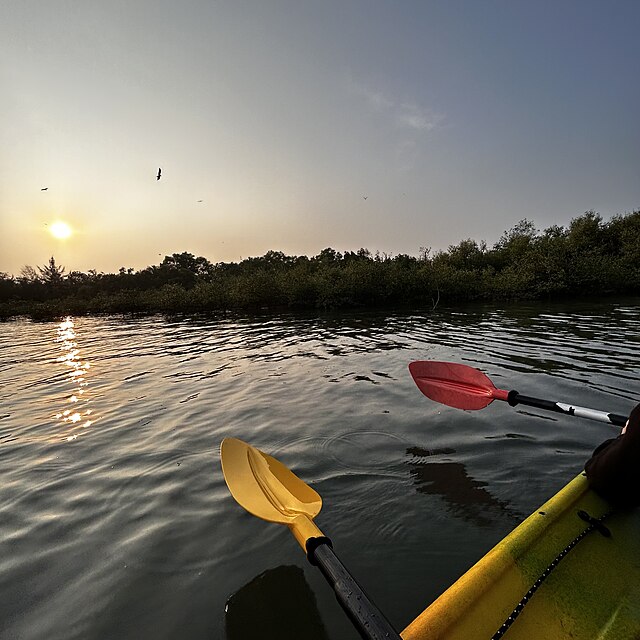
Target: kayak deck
x,y
592,590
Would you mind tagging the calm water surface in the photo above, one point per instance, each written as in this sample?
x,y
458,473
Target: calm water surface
x,y
115,521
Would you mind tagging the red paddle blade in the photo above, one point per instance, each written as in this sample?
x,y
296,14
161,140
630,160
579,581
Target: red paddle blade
x,y
456,385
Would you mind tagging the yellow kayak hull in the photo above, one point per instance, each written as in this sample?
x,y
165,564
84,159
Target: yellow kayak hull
x,y
591,591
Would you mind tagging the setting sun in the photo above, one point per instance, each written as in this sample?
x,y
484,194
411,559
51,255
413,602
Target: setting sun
x,y
60,230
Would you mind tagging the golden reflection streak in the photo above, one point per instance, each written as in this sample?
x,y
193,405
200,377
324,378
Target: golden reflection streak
x,y
76,417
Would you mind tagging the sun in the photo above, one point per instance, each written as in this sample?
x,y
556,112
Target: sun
x,y
60,230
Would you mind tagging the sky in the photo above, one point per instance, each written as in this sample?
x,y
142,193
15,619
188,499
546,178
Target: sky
x,y
295,125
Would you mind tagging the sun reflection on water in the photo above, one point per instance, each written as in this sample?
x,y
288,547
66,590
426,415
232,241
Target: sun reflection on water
x,y
78,416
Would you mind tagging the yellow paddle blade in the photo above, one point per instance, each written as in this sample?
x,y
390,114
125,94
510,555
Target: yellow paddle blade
x,y
268,490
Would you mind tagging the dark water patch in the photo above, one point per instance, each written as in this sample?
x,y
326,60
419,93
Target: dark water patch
x,y
216,371
278,602
184,375
137,375
361,378
419,452
467,498
380,374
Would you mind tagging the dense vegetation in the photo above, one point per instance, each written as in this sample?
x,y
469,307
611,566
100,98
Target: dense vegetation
x,y
590,257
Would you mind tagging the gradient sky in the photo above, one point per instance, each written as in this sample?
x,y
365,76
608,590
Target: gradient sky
x,y
455,119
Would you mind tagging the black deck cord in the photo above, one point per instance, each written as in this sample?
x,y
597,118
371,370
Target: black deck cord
x,y
595,524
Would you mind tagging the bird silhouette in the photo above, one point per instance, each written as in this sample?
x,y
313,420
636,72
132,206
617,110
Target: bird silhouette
x,y
365,197
44,189
159,173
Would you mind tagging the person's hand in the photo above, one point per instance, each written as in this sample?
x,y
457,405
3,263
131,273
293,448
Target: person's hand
x,y
634,417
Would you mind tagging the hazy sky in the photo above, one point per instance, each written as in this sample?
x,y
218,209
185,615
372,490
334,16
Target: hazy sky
x,y
455,119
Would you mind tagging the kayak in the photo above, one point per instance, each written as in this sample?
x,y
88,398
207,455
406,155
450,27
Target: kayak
x,y
570,570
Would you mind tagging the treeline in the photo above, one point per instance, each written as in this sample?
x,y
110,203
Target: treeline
x,y
589,257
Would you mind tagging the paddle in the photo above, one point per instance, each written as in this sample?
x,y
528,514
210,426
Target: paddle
x,y
268,490
464,387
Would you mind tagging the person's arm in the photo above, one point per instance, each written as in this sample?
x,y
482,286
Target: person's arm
x,y
614,467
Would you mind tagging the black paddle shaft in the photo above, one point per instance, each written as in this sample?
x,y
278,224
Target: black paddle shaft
x,y
367,619
516,398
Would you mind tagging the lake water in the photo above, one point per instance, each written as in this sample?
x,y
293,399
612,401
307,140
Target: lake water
x,y
115,521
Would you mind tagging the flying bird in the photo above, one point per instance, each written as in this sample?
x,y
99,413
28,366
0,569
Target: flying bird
x,y
159,173
365,197
44,189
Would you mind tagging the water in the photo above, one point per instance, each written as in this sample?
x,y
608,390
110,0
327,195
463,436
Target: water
x,y
115,521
